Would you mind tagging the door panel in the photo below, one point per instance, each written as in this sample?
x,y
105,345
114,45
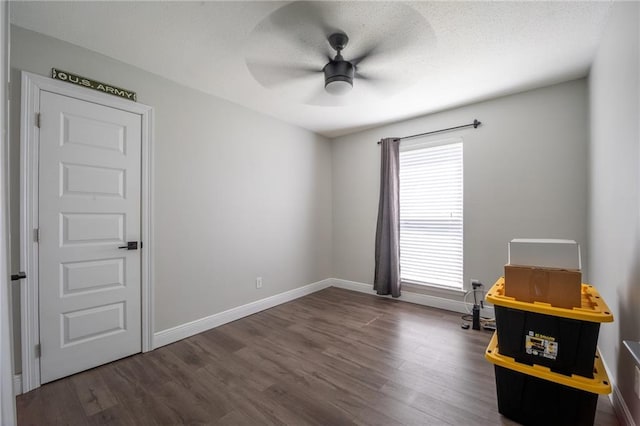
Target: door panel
x,y
88,276
92,132
92,228
89,206
92,180
94,323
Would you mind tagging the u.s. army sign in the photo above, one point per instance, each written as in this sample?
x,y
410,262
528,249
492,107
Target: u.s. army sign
x,y
92,84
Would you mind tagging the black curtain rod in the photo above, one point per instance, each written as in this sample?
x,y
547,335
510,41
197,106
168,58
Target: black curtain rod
x,y
475,125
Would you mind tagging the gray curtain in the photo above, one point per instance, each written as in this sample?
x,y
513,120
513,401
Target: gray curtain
x,y
387,275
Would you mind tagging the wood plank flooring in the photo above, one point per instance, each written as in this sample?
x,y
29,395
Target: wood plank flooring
x,y
335,357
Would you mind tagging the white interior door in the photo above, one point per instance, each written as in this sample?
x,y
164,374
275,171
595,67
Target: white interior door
x,y
89,206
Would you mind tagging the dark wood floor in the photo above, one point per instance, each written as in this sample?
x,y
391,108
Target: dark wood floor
x,y
331,358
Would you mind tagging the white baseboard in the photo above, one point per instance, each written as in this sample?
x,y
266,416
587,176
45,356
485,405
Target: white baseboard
x,y
417,298
17,384
189,329
619,405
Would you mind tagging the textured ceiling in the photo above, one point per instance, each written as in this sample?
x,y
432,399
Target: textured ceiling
x,y
426,56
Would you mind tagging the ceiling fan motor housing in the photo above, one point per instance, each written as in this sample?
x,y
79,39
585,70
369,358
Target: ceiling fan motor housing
x,y
338,70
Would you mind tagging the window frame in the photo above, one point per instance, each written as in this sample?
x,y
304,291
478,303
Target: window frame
x,y
426,144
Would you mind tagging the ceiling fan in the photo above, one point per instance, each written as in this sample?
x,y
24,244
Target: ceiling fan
x,y
294,47
338,73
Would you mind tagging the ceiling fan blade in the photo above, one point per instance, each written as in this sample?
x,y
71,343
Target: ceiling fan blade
x,y
375,52
369,52
273,74
310,15
403,36
381,84
315,50
360,75
305,24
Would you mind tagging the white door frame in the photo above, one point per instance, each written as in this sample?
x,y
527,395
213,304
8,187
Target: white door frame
x,y
7,397
32,86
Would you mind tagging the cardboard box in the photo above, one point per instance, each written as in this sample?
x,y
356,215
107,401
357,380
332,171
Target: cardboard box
x,y
558,287
547,253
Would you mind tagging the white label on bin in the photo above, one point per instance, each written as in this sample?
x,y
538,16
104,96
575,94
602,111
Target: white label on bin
x,y
540,345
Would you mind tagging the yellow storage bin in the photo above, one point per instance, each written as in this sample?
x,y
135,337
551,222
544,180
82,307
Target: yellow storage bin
x,y
598,385
534,395
537,333
593,308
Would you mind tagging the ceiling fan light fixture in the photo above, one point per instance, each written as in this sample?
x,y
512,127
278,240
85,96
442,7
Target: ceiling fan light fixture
x,y
338,87
338,77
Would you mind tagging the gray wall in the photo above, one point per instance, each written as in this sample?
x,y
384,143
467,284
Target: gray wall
x,y
236,194
614,225
525,175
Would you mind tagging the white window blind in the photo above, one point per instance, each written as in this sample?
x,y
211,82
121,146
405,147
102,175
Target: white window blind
x,y
431,214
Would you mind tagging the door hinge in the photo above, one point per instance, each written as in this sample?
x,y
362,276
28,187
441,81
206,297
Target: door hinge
x,y
38,350
38,120
36,235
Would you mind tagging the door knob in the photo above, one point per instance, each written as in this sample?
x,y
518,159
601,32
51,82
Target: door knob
x,y
131,245
19,276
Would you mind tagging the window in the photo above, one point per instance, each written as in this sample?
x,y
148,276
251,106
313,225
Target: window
x,y
431,214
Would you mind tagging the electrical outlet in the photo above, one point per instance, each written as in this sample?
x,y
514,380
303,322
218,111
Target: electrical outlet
x,y
636,385
258,282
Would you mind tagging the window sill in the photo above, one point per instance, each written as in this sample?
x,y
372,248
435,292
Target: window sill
x,y
431,289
